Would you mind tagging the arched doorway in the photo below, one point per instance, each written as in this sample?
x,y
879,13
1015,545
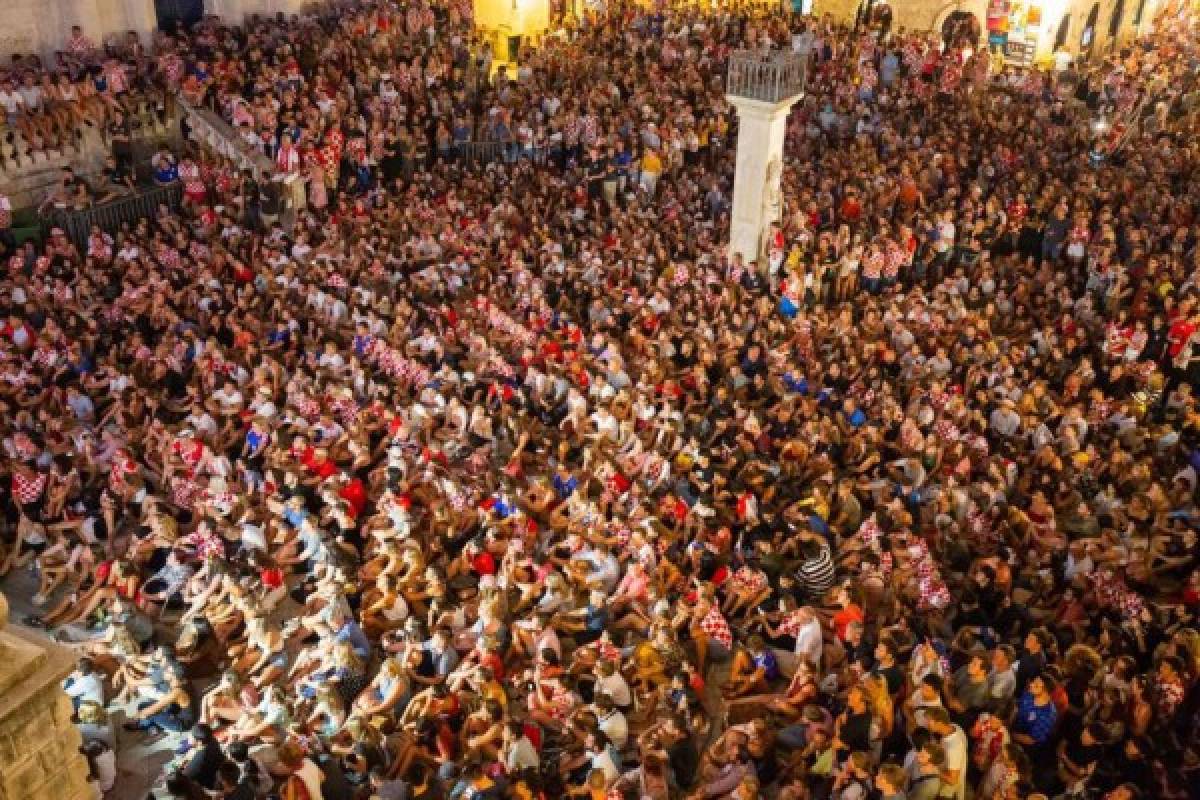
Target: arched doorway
x,y
174,13
1088,36
961,29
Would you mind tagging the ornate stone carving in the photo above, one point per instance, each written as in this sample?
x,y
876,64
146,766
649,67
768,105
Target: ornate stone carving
x,y
772,196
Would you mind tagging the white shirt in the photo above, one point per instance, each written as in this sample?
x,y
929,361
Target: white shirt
x,y
228,399
615,727
87,688
202,422
810,643
521,755
11,101
955,745
615,687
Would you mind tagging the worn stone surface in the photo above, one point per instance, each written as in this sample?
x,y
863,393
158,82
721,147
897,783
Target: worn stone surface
x,y
39,745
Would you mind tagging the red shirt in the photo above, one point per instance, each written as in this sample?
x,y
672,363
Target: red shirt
x,y
324,468
483,564
495,663
355,494
1178,336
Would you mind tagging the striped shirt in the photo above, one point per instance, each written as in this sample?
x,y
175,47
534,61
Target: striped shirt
x,y
817,575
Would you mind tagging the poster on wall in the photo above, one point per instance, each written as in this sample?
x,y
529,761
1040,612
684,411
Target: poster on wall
x,y
1019,52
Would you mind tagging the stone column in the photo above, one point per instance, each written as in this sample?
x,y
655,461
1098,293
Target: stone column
x,y
756,195
39,745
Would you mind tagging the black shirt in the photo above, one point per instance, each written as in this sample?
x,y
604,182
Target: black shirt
x,y
116,175
204,765
243,791
334,786
685,759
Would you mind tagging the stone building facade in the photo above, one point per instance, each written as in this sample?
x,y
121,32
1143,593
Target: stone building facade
x,y
42,26
1081,28
39,745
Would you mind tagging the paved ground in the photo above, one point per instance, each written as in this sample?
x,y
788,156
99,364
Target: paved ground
x,y
139,760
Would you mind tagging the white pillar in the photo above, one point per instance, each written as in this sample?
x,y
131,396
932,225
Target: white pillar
x,y
761,130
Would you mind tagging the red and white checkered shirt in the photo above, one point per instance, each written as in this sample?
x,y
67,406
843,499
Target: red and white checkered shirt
x,y
717,628
80,44
206,544
28,490
748,579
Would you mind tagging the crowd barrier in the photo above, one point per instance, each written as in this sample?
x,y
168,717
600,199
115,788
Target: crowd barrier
x,y
78,223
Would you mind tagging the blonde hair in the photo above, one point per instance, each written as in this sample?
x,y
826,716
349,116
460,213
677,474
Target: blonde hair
x,y
879,700
344,656
1190,639
169,527
91,712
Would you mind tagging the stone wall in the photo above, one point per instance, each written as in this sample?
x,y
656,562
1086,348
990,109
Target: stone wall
x,y
42,26
39,745
927,15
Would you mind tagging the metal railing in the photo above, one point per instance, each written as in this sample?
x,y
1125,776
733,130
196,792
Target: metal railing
x,y
78,223
770,76
483,152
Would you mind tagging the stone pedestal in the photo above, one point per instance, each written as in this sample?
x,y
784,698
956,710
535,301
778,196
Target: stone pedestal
x,y
39,745
756,195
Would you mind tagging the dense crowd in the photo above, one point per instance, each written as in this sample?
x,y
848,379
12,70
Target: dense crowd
x,y
505,480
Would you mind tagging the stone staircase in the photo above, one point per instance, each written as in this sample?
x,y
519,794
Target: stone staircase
x,y
27,174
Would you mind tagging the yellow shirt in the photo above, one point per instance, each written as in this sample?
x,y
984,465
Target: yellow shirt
x,y
793,261
652,163
494,691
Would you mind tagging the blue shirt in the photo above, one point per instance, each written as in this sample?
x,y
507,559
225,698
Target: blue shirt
x,y
167,173
253,439
565,488
1034,720
769,664
350,632
294,516
502,508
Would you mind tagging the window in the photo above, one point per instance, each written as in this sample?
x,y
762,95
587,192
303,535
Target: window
x,y
1064,27
1089,28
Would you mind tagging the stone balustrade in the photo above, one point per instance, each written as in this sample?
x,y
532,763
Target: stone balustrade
x,y
207,128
